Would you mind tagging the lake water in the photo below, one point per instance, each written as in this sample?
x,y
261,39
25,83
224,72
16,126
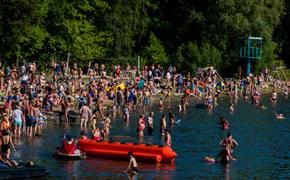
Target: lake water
x,y
263,151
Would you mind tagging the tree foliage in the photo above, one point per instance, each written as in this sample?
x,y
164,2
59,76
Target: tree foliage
x,y
192,33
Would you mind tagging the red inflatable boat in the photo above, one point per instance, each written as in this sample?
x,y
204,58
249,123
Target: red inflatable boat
x,y
119,150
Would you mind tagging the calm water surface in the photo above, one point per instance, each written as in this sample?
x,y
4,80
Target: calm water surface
x,y
263,151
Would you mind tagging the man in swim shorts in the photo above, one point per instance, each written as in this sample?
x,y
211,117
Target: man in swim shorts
x,y
133,166
30,119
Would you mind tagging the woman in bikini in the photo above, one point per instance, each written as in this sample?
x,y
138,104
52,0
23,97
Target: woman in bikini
x,y
6,143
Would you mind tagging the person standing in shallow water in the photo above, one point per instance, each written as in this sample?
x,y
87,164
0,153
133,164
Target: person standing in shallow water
x,y
150,124
133,166
85,115
162,125
6,143
225,154
232,109
168,138
18,118
30,119
229,140
141,126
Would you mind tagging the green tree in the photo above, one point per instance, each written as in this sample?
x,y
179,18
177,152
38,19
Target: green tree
x,y
192,56
154,53
73,27
22,32
128,22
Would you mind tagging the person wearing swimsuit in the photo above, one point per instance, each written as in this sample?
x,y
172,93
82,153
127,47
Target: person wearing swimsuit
x,y
30,119
150,124
6,143
96,134
225,154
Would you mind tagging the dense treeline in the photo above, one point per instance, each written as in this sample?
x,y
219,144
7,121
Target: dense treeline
x,y
187,33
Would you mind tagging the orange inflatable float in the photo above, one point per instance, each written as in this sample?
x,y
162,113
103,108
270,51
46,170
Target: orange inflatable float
x,y
119,150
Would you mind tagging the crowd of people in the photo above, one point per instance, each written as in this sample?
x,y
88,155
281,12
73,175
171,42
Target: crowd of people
x,y
101,94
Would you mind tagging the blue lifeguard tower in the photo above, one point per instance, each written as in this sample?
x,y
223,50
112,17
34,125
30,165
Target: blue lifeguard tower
x,y
250,49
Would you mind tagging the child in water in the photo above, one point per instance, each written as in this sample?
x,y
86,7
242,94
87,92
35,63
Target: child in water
x,y
232,109
133,166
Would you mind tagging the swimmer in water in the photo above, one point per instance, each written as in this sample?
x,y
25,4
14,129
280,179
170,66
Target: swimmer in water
x,y
224,123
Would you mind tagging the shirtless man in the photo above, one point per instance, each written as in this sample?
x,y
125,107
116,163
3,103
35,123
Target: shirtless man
x,y
163,125
30,119
229,140
133,166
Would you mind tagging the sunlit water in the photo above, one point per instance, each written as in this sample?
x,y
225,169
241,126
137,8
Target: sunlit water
x,y
263,151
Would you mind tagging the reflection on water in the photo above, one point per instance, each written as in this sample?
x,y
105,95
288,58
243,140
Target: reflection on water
x,y
263,151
